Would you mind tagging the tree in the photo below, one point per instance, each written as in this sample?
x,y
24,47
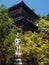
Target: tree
x,y
46,17
8,32
43,27
39,15
35,48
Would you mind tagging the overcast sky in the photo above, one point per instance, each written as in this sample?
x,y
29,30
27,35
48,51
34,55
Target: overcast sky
x,y
40,6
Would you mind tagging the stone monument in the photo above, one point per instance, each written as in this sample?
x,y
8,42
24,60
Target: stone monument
x,y
18,44
18,58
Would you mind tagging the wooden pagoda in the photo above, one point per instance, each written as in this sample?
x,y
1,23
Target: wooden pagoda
x,y
24,17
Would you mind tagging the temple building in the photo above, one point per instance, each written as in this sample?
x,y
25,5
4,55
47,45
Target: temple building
x,y
24,17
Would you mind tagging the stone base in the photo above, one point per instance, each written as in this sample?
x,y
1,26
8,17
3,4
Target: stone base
x,y
18,59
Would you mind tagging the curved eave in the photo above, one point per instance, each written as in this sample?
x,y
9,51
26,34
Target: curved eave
x,y
24,6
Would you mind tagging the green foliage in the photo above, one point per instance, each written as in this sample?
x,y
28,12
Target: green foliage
x,y
35,50
43,26
8,32
46,17
39,15
2,8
